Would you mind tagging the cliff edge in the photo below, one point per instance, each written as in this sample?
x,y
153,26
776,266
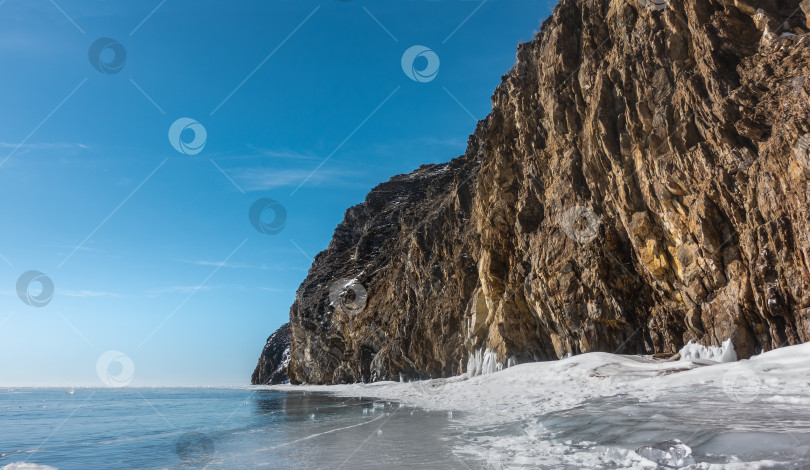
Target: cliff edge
x,y
641,181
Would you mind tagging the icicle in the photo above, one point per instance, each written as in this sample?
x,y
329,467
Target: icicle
x,y
484,361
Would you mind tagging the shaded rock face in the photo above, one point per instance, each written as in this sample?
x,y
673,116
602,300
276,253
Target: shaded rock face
x,y
641,182
272,366
411,247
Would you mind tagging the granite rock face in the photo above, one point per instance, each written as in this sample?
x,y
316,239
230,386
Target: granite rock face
x,y
642,181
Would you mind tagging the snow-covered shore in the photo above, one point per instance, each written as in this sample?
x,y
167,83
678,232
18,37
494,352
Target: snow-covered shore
x,y
607,410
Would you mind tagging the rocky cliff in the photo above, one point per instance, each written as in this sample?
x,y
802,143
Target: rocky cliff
x,y
272,366
642,181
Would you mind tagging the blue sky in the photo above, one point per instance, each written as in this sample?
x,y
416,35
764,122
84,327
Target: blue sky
x,y
150,250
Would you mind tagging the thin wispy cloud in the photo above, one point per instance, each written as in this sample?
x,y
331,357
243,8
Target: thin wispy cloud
x,y
44,146
85,293
236,265
68,293
70,248
287,154
181,289
265,179
273,289
229,264
178,290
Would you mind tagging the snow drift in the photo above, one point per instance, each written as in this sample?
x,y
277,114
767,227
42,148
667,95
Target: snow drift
x,y
602,410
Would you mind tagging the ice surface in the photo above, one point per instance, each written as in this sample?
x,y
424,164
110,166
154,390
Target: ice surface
x,y
26,466
602,410
589,411
672,453
724,353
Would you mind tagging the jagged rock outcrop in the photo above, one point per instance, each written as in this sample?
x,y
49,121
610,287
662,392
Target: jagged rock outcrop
x,y
272,366
641,181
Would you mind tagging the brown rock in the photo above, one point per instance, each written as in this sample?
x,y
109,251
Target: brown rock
x,y
641,181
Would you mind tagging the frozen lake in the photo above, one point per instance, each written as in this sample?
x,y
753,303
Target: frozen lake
x,y
216,428
590,411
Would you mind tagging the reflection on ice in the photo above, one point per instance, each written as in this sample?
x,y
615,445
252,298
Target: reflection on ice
x,y
307,430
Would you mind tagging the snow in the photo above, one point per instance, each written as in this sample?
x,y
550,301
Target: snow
x,y
723,353
620,411
285,360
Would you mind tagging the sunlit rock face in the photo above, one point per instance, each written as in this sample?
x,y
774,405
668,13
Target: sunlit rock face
x,y
642,181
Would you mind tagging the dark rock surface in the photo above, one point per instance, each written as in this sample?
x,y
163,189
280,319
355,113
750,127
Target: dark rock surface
x,y
642,181
272,366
